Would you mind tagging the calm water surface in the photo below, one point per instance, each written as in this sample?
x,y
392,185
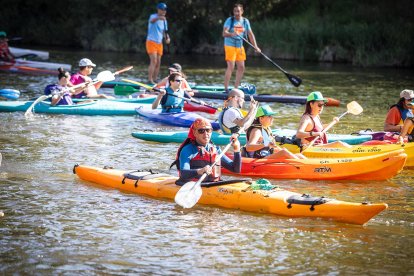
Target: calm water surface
x,y
55,223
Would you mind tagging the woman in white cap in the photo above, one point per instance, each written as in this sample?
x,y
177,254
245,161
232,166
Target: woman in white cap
x,y
85,69
399,112
310,125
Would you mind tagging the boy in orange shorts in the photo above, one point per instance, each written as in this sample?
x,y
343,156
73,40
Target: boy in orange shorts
x,y
233,45
157,28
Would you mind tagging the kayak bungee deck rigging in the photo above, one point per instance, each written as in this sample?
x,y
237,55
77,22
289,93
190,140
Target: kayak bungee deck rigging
x,y
240,196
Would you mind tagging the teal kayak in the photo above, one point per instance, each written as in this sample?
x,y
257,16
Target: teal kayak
x,y
148,100
93,108
223,139
212,88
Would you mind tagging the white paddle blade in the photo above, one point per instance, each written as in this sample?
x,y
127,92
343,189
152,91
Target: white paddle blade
x,y
105,76
189,194
266,139
29,111
354,108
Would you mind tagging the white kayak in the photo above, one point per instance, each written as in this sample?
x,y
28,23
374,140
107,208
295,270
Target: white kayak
x,y
20,52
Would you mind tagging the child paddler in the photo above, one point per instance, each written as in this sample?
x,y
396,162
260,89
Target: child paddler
x,y
260,140
170,103
310,125
55,89
231,118
197,153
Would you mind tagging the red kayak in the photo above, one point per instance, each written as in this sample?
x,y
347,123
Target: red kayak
x,y
24,69
187,106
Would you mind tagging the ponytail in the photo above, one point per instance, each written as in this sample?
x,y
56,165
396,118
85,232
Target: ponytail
x,y
63,73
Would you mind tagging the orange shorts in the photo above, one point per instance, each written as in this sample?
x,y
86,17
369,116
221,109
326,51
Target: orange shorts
x,y
234,54
153,47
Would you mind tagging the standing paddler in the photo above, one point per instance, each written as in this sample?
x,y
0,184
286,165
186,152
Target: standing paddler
x,y
233,45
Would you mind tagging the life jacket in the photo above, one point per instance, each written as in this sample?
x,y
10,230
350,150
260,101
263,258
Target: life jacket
x,y
202,159
237,39
171,103
223,127
263,152
405,113
4,50
54,89
319,141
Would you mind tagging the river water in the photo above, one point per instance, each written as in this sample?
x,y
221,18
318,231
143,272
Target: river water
x,y
55,223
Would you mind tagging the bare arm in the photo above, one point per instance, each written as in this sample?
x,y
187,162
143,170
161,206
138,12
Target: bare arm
x,y
391,128
305,125
227,34
241,121
158,99
253,40
404,131
163,82
158,18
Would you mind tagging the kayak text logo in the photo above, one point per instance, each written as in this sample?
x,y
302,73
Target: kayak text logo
x,y
322,170
225,191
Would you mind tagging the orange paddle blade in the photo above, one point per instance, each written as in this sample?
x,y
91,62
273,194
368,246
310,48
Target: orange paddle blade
x,y
354,108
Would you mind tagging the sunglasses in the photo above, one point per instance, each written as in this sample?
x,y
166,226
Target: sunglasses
x,y
90,67
163,9
178,80
410,100
202,130
321,105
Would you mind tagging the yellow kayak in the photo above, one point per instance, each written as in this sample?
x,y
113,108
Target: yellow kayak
x,y
322,152
238,195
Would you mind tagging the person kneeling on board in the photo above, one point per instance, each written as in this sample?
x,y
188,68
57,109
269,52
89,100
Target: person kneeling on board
x,y
86,67
231,119
260,140
59,97
197,153
170,103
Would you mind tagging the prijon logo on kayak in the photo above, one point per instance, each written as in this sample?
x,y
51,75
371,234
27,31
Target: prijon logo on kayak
x,y
322,170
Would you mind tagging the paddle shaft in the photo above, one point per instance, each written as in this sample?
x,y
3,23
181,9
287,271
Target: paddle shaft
x,y
168,45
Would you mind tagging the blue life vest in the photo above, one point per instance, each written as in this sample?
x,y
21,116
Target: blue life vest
x,y
172,104
405,113
224,128
54,89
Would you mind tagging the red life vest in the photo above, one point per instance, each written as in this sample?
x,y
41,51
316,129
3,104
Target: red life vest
x,y
4,50
204,158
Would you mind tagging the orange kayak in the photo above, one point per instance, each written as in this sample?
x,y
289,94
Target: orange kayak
x,y
375,167
240,195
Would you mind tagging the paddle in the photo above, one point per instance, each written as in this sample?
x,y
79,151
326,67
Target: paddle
x,y
168,45
102,76
187,99
10,93
15,38
28,56
352,107
190,192
296,81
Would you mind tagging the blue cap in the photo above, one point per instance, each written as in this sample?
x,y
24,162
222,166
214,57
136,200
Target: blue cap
x,y
162,6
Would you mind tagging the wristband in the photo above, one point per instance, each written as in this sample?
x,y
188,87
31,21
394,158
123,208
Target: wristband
x,y
311,134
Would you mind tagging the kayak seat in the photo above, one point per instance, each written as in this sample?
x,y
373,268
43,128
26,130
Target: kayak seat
x,y
306,199
217,183
142,175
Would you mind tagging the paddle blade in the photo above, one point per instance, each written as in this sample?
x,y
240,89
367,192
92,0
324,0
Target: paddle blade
x,y
248,88
29,111
189,194
122,90
10,93
296,81
354,108
266,139
105,76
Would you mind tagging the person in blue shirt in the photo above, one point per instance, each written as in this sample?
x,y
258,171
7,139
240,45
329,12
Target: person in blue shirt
x,y
233,45
157,29
197,153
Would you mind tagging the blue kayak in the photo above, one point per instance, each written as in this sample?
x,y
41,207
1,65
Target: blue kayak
x,y
180,119
223,139
92,108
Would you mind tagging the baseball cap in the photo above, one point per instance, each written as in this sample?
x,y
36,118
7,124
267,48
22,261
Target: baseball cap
x,y
264,110
407,94
175,67
316,96
162,6
86,62
3,33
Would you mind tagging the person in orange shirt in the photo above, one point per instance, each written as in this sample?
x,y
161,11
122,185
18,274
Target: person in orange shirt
x,y
5,53
399,112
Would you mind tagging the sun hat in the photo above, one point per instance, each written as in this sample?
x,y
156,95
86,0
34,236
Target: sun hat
x,y
175,67
3,33
264,110
316,96
407,94
162,6
86,62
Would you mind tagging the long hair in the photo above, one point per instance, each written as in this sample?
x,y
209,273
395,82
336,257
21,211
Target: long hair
x,y
308,108
400,103
62,73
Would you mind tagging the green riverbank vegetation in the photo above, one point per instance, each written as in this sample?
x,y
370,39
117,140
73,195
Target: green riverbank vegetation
x,y
363,33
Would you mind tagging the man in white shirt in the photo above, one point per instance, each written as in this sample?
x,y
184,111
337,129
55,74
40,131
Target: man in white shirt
x,y
232,118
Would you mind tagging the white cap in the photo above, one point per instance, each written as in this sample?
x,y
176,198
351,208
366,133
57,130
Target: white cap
x,y
407,94
86,62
